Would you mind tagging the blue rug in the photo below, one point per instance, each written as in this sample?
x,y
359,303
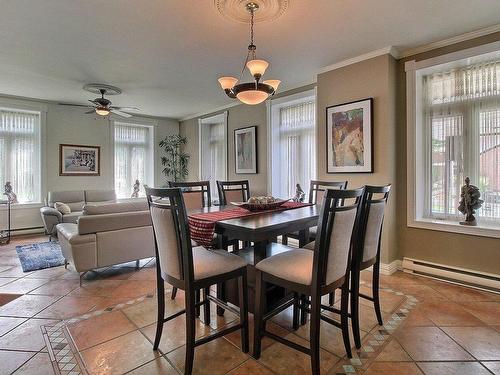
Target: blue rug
x,y
38,256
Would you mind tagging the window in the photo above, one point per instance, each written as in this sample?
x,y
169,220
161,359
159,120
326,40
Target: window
x,y
133,158
213,151
20,153
293,144
457,135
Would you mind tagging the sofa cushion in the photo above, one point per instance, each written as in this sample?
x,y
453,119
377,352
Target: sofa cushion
x,y
62,208
95,196
110,208
73,198
115,221
70,232
72,217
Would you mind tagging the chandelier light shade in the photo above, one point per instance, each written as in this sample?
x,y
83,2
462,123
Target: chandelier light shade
x,y
255,92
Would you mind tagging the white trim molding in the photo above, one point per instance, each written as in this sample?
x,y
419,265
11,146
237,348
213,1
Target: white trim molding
x,y
388,269
390,50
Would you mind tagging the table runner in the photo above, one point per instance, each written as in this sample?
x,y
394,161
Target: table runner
x,y
202,225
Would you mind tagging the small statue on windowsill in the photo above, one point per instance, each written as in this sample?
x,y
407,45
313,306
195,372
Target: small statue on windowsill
x,y
11,196
469,202
137,187
299,194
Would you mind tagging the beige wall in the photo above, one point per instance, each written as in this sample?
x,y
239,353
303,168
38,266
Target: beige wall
x,y
473,252
373,78
71,125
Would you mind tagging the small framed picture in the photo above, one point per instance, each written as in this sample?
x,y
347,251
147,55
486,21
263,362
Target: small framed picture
x,y
245,149
79,160
349,137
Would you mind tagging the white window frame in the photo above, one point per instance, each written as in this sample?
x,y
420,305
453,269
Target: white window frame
x,y
152,135
415,143
41,109
273,116
222,117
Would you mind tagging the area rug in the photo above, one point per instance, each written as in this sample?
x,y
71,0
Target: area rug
x,y
38,256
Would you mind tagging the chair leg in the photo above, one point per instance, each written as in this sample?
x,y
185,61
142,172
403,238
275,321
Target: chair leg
x,y
222,296
314,333
258,312
331,298
243,300
375,291
197,299
284,239
206,306
344,318
190,331
174,293
355,307
65,264
296,311
160,291
303,313
137,264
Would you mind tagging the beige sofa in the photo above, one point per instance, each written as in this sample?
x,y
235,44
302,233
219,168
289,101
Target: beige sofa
x,y
107,234
75,199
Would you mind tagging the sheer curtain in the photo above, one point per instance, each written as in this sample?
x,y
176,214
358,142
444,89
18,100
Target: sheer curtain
x,y
133,159
297,147
461,114
20,153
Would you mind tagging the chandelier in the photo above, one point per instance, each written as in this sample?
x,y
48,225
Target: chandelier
x,y
251,92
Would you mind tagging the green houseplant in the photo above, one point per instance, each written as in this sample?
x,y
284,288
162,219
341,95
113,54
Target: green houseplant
x,y
175,161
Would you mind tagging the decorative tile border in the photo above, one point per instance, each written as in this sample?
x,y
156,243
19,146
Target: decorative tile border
x,y
63,354
371,348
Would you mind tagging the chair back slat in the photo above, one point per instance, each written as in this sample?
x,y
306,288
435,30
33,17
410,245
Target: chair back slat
x,y
171,231
334,239
371,222
196,193
233,191
317,189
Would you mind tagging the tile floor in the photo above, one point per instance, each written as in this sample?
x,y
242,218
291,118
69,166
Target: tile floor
x,y
107,325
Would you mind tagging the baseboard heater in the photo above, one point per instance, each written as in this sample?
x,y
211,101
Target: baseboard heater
x,y
456,275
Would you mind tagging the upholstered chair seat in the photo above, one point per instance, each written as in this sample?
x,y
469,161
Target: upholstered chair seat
x,y
295,266
208,263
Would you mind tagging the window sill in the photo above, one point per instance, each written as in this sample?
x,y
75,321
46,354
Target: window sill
x,y
455,227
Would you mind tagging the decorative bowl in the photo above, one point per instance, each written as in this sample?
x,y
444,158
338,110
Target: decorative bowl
x,y
260,206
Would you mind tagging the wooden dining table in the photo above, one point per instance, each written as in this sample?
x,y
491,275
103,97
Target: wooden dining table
x,y
260,231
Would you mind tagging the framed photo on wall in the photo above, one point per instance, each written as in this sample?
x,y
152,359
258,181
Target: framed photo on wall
x,y
349,137
245,149
79,160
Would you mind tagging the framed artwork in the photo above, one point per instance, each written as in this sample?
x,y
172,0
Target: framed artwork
x,y
349,137
245,149
79,160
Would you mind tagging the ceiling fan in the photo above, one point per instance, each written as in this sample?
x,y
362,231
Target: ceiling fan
x,y
102,106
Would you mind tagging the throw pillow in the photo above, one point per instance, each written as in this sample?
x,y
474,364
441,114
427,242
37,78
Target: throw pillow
x,y
62,208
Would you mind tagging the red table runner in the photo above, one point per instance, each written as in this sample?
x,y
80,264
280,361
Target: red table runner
x,y
202,225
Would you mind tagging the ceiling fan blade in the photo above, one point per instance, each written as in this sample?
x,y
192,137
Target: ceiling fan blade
x,y
95,103
125,108
89,112
76,105
119,113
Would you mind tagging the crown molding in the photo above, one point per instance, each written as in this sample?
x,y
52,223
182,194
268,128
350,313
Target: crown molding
x,y
211,111
389,50
450,41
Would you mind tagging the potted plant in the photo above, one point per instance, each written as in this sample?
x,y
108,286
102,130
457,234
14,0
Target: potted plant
x,y
175,161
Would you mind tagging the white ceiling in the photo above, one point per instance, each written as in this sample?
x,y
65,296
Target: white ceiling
x,y
166,55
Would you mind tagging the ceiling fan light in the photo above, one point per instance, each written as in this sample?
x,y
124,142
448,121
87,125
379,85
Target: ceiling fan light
x,y
227,83
257,67
102,111
252,97
274,83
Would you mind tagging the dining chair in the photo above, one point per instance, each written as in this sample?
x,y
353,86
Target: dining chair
x,y
233,191
316,191
191,269
313,273
367,252
196,195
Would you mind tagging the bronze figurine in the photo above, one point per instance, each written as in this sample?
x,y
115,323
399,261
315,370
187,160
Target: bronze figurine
x,y
469,202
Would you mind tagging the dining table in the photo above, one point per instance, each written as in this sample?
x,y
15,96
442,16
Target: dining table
x,y
259,231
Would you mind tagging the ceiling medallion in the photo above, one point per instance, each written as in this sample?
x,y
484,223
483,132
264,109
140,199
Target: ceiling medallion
x,y
236,10
251,92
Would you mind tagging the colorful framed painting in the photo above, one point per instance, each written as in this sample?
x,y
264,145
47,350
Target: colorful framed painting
x,y
349,137
245,150
79,160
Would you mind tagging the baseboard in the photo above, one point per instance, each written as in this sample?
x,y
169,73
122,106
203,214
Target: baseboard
x,y
455,275
389,268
